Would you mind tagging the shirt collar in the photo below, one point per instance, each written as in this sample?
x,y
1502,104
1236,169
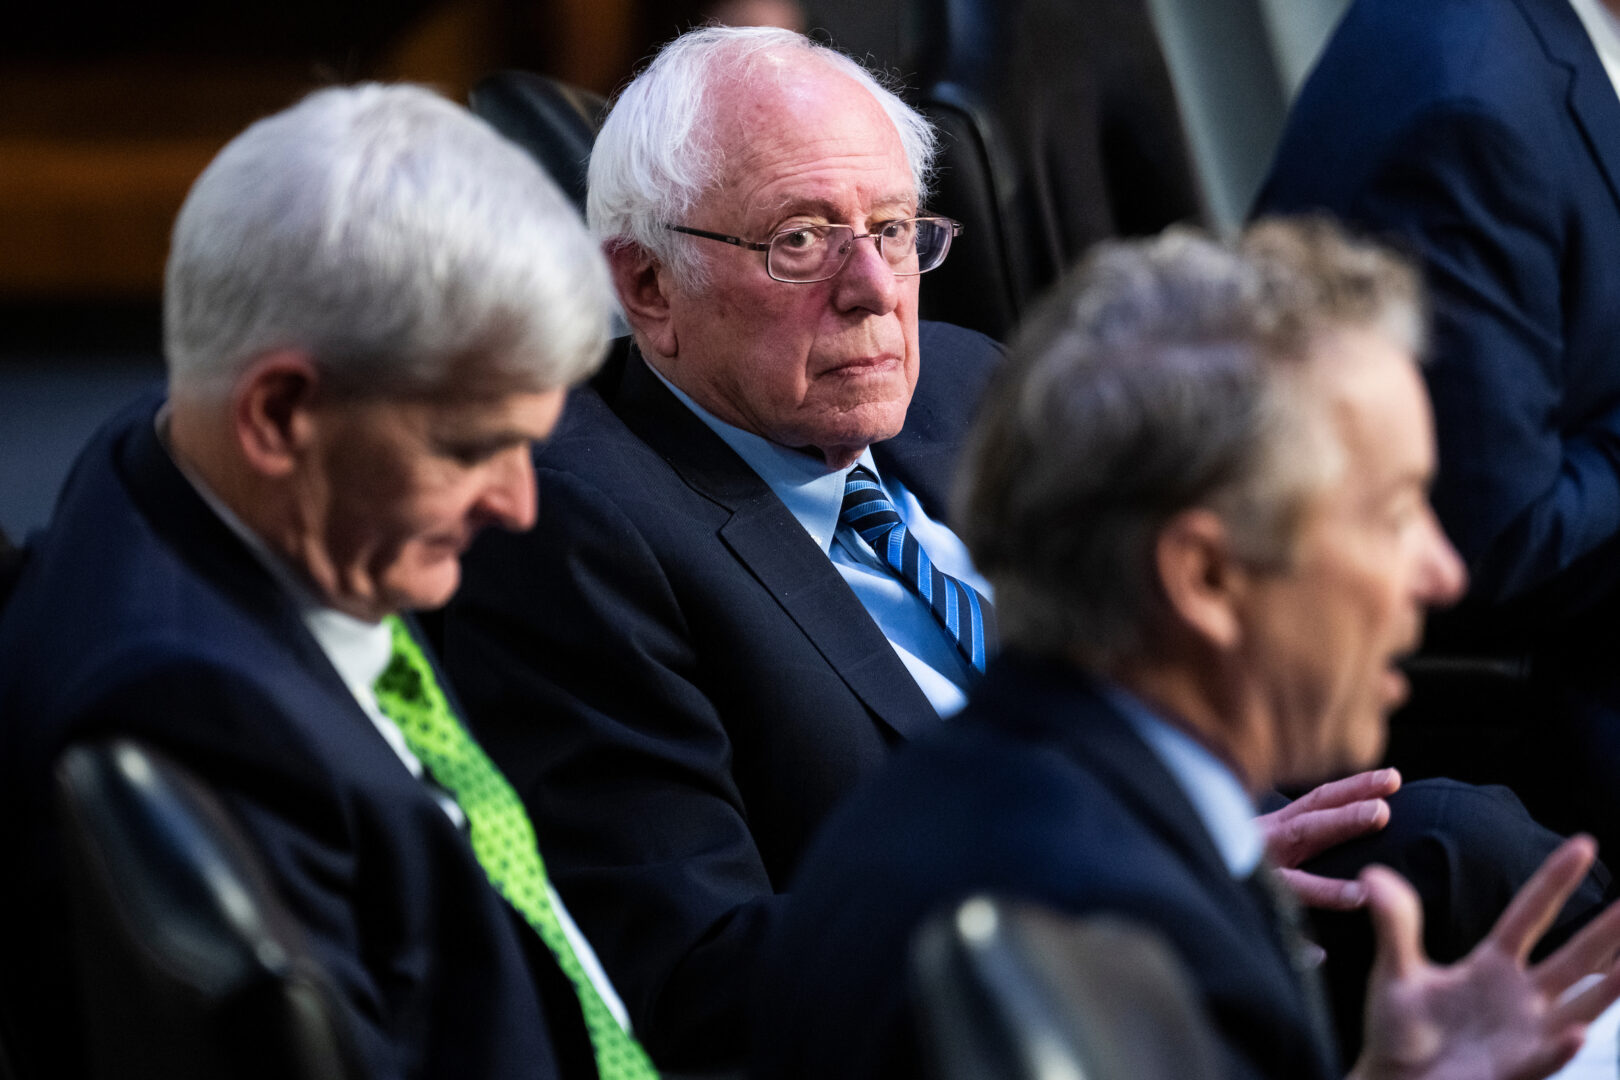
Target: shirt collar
x,y
812,494
1213,789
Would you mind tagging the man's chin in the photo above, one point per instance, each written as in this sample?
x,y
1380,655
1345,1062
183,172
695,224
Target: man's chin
x,y
860,427
428,590
1364,751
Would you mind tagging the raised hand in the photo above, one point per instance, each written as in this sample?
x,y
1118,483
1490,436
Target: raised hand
x,y
1323,818
1489,1016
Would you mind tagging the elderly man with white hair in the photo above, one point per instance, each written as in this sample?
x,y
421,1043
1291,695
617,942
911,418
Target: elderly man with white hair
x,y
374,305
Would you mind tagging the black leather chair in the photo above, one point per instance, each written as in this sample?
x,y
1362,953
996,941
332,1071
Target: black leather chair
x,y
189,964
556,123
1059,128
1016,992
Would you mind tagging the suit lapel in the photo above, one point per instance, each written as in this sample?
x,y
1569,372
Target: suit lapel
x,y
1592,97
766,539
925,454
175,511
1069,712
1061,707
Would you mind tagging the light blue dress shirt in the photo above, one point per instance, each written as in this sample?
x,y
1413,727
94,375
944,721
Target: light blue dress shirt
x,y
814,496
1213,789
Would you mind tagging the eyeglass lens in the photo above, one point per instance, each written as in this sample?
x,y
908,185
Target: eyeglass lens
x,y
818,252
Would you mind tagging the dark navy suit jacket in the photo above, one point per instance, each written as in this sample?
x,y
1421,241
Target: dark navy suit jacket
x,y
140,613
1484,135
1041,791
680,683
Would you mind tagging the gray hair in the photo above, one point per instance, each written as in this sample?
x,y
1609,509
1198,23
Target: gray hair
x,y
1166,374
655,156
393,237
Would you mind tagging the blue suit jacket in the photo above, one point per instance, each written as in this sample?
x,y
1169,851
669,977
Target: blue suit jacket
x,y
1038,791
680,683
141,613
1485,136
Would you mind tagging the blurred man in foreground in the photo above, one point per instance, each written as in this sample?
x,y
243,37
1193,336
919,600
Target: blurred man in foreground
x,y
1200,491
374,305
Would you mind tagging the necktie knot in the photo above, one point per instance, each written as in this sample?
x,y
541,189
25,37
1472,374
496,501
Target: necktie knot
x,y
966,617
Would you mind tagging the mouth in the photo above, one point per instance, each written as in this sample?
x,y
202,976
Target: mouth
x,y
1396,684
862,365
455,545
1394,687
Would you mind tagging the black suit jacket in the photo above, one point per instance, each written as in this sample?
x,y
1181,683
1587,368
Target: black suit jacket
x,y
680,683
1040,791
141,613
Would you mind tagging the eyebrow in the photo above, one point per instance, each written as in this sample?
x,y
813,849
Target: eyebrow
x,y
823,208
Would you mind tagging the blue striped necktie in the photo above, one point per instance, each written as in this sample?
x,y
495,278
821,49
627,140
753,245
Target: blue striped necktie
x,y
966,617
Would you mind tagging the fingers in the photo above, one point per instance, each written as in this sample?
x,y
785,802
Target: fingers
x,y
1397,919
1377,784
1586,1003
1293,836
1591,950
1331,894
1534,906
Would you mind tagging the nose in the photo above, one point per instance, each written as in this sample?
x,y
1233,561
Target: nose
x,y
867,281
509,497
1442,577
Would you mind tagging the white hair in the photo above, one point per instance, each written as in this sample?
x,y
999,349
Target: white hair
x,y
656,156
394,238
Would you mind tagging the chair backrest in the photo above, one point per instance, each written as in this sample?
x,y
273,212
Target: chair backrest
x,y
1059,128
188,962
1011,991
556,123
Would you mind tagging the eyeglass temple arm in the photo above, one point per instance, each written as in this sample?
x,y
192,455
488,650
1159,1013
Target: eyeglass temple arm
x,y
734,241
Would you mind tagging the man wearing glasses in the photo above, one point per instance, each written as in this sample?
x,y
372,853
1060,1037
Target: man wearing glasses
x,y
701,657
741,596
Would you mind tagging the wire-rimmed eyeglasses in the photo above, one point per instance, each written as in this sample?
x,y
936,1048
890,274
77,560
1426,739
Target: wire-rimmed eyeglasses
x,y
809,253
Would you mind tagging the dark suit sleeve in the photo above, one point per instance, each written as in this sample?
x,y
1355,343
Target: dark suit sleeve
x,y
571,649
1526,489
215,725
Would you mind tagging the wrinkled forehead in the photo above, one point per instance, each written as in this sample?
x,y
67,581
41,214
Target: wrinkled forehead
x,y
797,109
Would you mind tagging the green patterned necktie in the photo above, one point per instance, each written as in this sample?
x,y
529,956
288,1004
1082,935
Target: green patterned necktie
x,y
502,837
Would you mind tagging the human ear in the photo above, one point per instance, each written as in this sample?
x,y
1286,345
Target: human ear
x,y
642,283
1202,580
272,410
